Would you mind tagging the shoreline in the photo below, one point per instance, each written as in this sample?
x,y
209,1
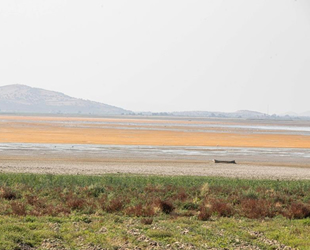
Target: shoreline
x,y
86,167
90,146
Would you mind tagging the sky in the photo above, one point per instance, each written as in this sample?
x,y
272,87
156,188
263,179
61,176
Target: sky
x,y
163,55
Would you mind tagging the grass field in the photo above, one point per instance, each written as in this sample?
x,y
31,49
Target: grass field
x,y
152,212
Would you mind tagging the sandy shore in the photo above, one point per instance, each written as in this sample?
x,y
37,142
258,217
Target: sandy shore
x,y
269,150
120,131
67,166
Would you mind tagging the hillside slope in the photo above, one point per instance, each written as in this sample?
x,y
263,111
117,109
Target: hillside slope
x,y
25,99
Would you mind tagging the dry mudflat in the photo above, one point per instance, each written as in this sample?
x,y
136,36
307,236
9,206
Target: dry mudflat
x,y
73,166
161,146
164,132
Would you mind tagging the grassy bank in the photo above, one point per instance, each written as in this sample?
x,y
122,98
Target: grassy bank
x,y
115,211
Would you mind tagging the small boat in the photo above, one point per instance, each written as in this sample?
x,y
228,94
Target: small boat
x,y
228,162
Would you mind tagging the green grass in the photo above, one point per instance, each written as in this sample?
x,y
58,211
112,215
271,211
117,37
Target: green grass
x,y
111,231
38,181
113,211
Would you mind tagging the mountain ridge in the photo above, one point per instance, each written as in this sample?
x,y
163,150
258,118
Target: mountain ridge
x,y
18,98
25,99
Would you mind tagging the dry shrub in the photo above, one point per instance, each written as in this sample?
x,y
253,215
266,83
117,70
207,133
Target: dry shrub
x,y
166,206
278,198
32,199
204,213
8,194
139,211
50,210
115,205
205,189
221,190
92,206
75,203
169,188
102,202
57,210
297,211
134,210
95,190
18,208
181,195
35,201
221,208
190,206
154,189
234,199
257,208
36,212
189,213
147,221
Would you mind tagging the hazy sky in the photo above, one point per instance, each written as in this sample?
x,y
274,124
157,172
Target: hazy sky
x,y
162,55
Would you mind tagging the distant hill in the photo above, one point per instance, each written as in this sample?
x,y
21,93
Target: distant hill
x,y
243,114
294,114
237,114
305,114
24,99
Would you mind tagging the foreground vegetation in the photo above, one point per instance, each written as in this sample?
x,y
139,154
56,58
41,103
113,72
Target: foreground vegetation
x,y
152,212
